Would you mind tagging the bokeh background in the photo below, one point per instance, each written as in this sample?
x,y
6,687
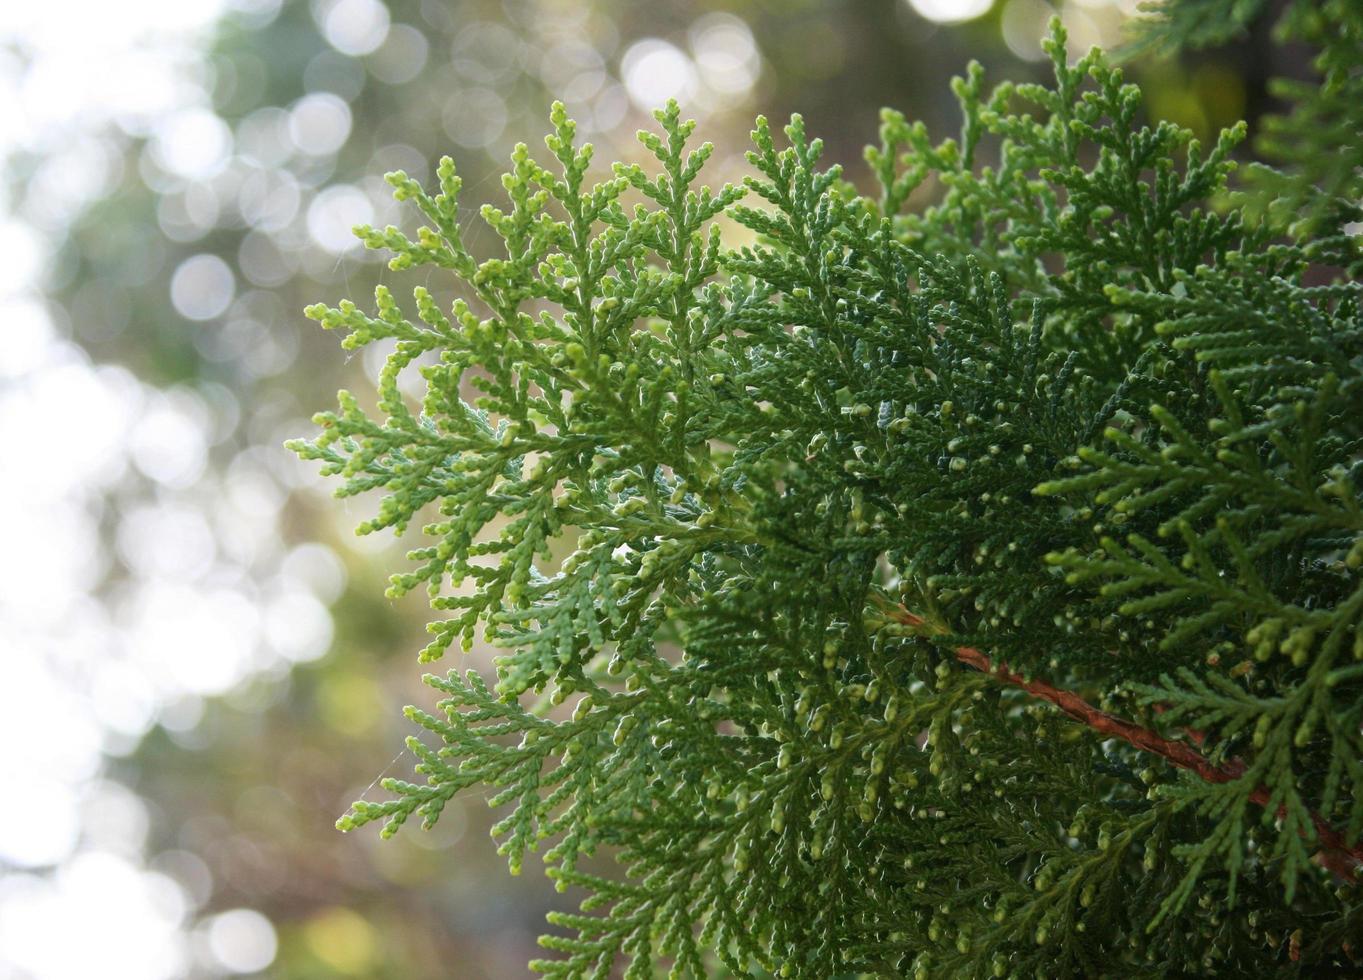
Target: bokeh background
x,y
197,668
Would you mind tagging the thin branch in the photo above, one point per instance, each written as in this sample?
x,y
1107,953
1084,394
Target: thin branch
x,y
1335,854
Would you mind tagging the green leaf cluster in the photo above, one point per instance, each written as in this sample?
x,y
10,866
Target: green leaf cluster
x,y
1315,142
728,514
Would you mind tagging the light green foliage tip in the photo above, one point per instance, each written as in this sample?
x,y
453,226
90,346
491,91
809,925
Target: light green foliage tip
x,y
1070,408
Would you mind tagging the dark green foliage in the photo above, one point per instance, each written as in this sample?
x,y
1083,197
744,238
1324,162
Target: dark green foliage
x,y
1318,140
1078,414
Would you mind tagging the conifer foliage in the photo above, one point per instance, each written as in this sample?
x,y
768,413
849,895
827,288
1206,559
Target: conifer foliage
x,y
968,589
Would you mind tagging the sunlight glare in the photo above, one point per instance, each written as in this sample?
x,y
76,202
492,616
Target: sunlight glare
x,y
951,11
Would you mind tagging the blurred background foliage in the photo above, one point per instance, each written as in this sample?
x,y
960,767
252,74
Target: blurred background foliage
x,y
197,668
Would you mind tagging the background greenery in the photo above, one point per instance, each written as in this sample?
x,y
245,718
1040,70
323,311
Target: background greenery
x,y
178,591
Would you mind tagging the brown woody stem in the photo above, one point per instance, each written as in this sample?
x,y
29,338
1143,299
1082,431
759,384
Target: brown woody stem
x,y
1335,854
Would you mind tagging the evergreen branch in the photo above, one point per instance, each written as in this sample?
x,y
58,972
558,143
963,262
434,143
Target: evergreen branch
x,y
1079,406
1336,854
